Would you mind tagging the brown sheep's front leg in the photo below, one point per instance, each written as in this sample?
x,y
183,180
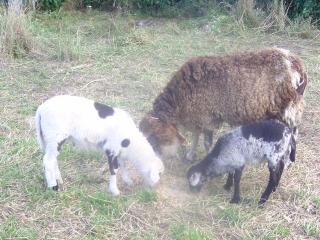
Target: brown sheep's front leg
x,y
208,136
189,156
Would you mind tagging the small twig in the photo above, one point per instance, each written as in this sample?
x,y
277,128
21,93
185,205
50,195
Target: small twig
x,y
86,85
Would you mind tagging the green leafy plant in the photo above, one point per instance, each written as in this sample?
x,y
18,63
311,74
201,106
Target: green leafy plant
x,y
50,5
304,9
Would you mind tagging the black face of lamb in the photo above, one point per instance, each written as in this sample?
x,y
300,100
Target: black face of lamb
x,y
113,162
202,179
195,189
274,179
103,110
268,130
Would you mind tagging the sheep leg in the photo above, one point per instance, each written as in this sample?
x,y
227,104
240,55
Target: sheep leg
x,y
279,173
113,167
195,139
229,182
237,178
58,173
274,178
51,167
208,136
124,173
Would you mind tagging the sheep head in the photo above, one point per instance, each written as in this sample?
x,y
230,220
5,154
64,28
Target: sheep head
x,y
196,178
163,137
152,176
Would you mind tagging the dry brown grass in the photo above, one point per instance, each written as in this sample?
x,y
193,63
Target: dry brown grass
x,y
15,37
126,67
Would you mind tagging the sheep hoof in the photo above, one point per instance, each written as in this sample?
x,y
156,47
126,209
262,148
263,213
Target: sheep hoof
x,y
235,200
55,188
114,192
262,201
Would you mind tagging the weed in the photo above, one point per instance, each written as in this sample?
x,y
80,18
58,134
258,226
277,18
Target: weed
x,y
15,37
233,215
277,231
316,201
182,232
311,229
103,204
11,229
146,195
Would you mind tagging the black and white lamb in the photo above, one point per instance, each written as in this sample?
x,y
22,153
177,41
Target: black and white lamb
x,y
96,126
268,140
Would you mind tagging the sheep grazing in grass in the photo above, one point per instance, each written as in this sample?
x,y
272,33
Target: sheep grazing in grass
x,y
94,125
268,140
236,89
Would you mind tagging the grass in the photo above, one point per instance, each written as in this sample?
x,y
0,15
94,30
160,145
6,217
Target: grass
x,y
182,232
105,57
15,38
311,229
11,229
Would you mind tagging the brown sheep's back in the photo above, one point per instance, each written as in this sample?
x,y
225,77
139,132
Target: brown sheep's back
x,y
235,89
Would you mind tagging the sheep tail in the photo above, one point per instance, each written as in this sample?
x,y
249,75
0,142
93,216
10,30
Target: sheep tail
x,y
40,137
293,149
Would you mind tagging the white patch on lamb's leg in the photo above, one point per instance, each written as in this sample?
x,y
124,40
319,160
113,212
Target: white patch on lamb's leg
x,y
113,187
195,139
58,174
50,165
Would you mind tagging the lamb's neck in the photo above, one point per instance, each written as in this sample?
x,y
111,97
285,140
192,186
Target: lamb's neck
x,y
210,167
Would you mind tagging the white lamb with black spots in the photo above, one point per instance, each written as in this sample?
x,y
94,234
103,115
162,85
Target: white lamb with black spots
x,y
268,140
93,125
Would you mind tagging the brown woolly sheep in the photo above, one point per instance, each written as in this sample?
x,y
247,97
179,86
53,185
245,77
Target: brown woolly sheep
x,y
236,89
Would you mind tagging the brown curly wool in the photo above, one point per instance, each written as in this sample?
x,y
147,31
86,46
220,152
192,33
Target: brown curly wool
x,y
236,89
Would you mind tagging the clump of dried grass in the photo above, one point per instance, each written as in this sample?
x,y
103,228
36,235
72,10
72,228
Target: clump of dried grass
x,y
15,37
277,18
245,13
